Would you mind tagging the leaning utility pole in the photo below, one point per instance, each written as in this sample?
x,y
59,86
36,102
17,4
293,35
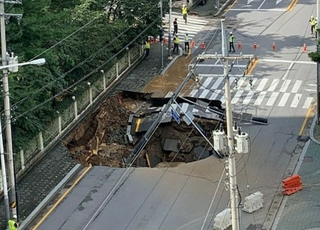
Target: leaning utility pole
x,y
231,160
7,114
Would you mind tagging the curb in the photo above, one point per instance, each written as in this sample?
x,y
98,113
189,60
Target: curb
x,y
312,131
172,61
48,198
223,7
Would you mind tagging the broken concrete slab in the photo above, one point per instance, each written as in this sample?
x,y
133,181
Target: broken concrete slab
x,y
171,145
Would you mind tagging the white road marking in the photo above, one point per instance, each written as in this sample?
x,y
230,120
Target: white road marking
x,y
260,98
206,83
249,1
278,1
273,85
262,84
295,101
217,83
223,99
296,86
261,4
285,86
287,72
248,98
248,88
204,93
184,107
284,99
236,97
219,65
287,61
307,103
215,94
272,98
193,92
310,90
268,10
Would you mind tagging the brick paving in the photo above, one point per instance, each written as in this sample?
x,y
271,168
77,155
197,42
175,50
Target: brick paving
x,y
44,176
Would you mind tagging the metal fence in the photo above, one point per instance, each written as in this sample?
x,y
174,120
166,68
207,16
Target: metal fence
x,y
67,118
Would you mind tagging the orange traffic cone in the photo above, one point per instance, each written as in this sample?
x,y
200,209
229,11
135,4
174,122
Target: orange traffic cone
x,y
304,47
239,45
254,45
192,43
273,46
203,46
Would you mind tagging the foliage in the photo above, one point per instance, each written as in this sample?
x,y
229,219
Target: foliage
x,y
75,37
315,56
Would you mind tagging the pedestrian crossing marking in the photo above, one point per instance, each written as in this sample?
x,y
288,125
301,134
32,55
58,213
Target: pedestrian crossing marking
x,y
284,99
296,86
262,84
260,98
273,85
295,100
212,88
272,98
285,86
307,103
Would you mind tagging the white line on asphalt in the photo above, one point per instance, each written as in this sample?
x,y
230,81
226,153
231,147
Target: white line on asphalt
x,y
268,10
204,93
223,99
206,83
272,98
278,1
262,4
249,1
262,84
273,85
219,65
295,100
248,88
284,99
260,98
217,83
287,61
285,86
184,107
247,100
307,103
215,94
310,90
287,72
296,86
236,97
231,80
193,92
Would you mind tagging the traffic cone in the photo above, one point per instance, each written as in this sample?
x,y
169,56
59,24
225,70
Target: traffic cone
x,y
192,43
164,41
203,46
254,45
239,45
304,47
273,46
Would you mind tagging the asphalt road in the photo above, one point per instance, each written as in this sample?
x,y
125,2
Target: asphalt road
x,y
189,196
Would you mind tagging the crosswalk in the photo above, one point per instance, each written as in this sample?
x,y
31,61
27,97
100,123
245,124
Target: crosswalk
x,y
265,91
194,25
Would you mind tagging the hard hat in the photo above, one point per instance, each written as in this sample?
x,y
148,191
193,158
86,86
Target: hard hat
x,y
183,5
14,216
230,33
311,16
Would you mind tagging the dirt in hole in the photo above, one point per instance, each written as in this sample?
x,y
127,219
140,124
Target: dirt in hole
x,y
101,139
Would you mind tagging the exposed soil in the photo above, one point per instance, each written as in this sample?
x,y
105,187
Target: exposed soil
x,y
101,139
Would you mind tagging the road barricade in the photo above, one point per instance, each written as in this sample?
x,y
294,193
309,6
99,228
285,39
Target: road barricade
x,y
291,185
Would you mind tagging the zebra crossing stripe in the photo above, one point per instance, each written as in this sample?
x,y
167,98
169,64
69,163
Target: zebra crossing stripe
x,y
204,93
260,98
285,86
215,94
247,100
273,85
223,99
295,101
249,87
296,86
217,83
262,84
236,97
307,103
284,99
272,98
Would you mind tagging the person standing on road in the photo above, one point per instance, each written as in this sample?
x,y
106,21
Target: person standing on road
x,y
184,13
313,23
147,48
12,223
231,42
175,26
186,43
176,42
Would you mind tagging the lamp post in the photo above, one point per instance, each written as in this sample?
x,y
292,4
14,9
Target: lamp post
x,y
7,115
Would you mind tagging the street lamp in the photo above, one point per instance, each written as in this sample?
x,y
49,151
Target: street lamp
x,y
7,115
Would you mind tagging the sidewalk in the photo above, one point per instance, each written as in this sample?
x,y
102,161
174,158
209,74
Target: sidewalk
x,y
301,210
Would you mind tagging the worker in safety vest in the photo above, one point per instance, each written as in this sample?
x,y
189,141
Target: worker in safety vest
x,y
231,42
184,13
176,42
12,223
147,48
313,24
186,43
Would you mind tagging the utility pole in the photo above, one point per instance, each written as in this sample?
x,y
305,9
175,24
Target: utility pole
x,y
169,42
231,160
318,74
161,40
7,114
